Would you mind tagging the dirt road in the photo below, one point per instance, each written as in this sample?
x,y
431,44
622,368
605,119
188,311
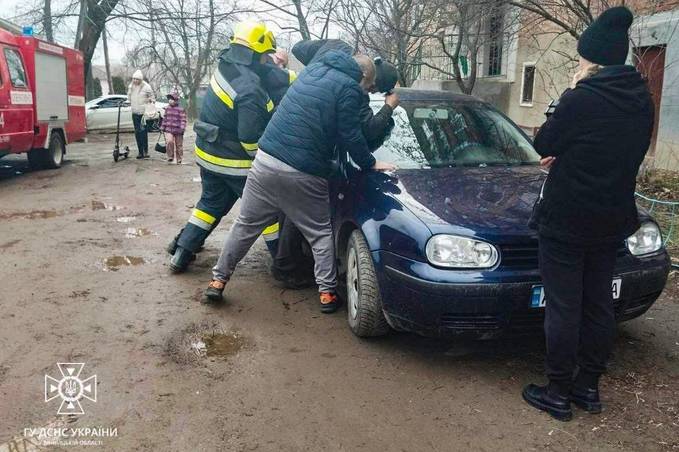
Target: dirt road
x,y
85,279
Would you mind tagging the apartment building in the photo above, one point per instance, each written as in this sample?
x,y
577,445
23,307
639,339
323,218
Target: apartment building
x,y
522,68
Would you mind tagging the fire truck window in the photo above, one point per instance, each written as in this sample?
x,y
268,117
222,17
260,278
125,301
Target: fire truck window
x,y
17,75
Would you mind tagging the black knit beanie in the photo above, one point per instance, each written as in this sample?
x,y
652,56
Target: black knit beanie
x,y
386,75
606,40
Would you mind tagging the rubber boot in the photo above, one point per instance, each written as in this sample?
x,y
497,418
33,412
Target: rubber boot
x,y
180,260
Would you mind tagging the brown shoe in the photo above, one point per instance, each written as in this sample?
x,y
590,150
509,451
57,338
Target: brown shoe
x,y
214,290
329,302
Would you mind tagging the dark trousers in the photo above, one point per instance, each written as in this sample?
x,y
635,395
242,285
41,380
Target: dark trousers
x,y
579,314
140,133
291,258
218,195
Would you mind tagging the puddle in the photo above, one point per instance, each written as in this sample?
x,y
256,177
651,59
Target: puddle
x,y
205,341
125,219
220,345
30,215
99,205
114,263
132,233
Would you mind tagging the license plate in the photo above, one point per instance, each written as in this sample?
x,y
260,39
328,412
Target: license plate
x,y
537,299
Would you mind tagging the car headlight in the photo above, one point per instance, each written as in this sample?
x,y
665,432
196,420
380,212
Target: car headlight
x,y
460,252
646,240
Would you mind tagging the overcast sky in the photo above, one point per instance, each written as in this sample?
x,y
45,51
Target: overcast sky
x,y
65,34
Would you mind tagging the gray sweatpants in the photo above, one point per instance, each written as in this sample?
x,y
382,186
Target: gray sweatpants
x,y
272,187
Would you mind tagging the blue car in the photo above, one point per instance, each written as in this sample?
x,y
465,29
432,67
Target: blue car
x,y
442,246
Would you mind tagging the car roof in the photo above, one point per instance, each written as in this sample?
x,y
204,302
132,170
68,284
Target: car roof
x,y
414,94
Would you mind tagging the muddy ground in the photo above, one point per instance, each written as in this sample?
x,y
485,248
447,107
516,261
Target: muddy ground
x,y
85,279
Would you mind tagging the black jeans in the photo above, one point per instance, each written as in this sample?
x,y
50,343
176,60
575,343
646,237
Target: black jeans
x,y
290,257
579,314
140,133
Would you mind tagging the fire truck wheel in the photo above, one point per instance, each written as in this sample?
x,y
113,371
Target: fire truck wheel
x,y
51,157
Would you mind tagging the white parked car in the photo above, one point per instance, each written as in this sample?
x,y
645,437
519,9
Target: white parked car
x,y
102,113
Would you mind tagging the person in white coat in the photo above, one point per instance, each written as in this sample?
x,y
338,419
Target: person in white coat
x,y
140,95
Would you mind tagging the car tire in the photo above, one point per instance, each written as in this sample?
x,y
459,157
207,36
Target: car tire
x,y
50,158
364,304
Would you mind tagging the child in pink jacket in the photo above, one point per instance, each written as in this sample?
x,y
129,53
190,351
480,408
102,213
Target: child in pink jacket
x,y
174,123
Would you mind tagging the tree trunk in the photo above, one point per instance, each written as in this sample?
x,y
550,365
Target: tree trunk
x,y
303,26
81,20
107,62
47,20
192,108
97,13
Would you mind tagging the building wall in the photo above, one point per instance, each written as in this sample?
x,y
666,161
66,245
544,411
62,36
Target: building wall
x,y
663,29
555,57
553,72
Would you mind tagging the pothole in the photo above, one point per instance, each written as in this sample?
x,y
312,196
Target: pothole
x,y
197,343
114,263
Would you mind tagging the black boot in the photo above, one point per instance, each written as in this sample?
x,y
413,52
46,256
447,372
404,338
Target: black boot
x,y
140,155
180,260
551,399
585,392
172,246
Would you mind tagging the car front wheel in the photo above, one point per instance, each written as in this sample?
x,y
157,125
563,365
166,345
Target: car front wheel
x,y
364,304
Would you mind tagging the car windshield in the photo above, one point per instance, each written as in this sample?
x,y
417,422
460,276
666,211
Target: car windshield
x,y
445,134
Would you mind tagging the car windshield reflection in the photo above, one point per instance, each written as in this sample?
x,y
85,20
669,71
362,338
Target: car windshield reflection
x,y
440,135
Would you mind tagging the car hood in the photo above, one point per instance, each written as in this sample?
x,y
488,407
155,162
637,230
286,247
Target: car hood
x,y
490,202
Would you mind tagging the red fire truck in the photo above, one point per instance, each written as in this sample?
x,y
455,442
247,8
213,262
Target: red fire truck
x,y
42,97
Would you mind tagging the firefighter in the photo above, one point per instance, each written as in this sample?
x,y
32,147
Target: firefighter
x,y
233,116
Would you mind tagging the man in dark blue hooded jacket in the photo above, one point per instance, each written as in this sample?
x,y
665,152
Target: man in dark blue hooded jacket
x,y
290,172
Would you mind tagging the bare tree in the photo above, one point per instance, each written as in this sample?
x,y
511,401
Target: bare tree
x,y
180,43
464,33
397,30
573,16
312,19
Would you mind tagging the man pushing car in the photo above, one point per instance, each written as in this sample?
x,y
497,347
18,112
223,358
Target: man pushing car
x,y
291,265
290,171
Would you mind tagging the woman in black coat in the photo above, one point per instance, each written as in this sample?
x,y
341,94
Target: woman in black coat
x,y
594,143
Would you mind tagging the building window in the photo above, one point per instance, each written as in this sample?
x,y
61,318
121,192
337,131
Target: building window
x,y
528,84
495,42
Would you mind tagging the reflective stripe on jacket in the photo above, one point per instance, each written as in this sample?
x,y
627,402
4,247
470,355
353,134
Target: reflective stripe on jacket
x,y
238,109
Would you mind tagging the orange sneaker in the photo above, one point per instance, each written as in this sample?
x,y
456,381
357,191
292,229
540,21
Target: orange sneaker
x,y
214,290
329,302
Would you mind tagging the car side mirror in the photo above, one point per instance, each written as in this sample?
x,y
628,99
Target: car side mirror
x,y
95,107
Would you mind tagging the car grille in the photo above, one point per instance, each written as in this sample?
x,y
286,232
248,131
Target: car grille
x,y
526,256
463,321
529,321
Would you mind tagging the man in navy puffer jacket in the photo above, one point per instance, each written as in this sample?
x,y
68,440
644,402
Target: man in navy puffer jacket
x,y
289,174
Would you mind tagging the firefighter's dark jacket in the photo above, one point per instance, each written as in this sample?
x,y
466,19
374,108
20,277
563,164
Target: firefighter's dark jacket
x,y
234,114
376,126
